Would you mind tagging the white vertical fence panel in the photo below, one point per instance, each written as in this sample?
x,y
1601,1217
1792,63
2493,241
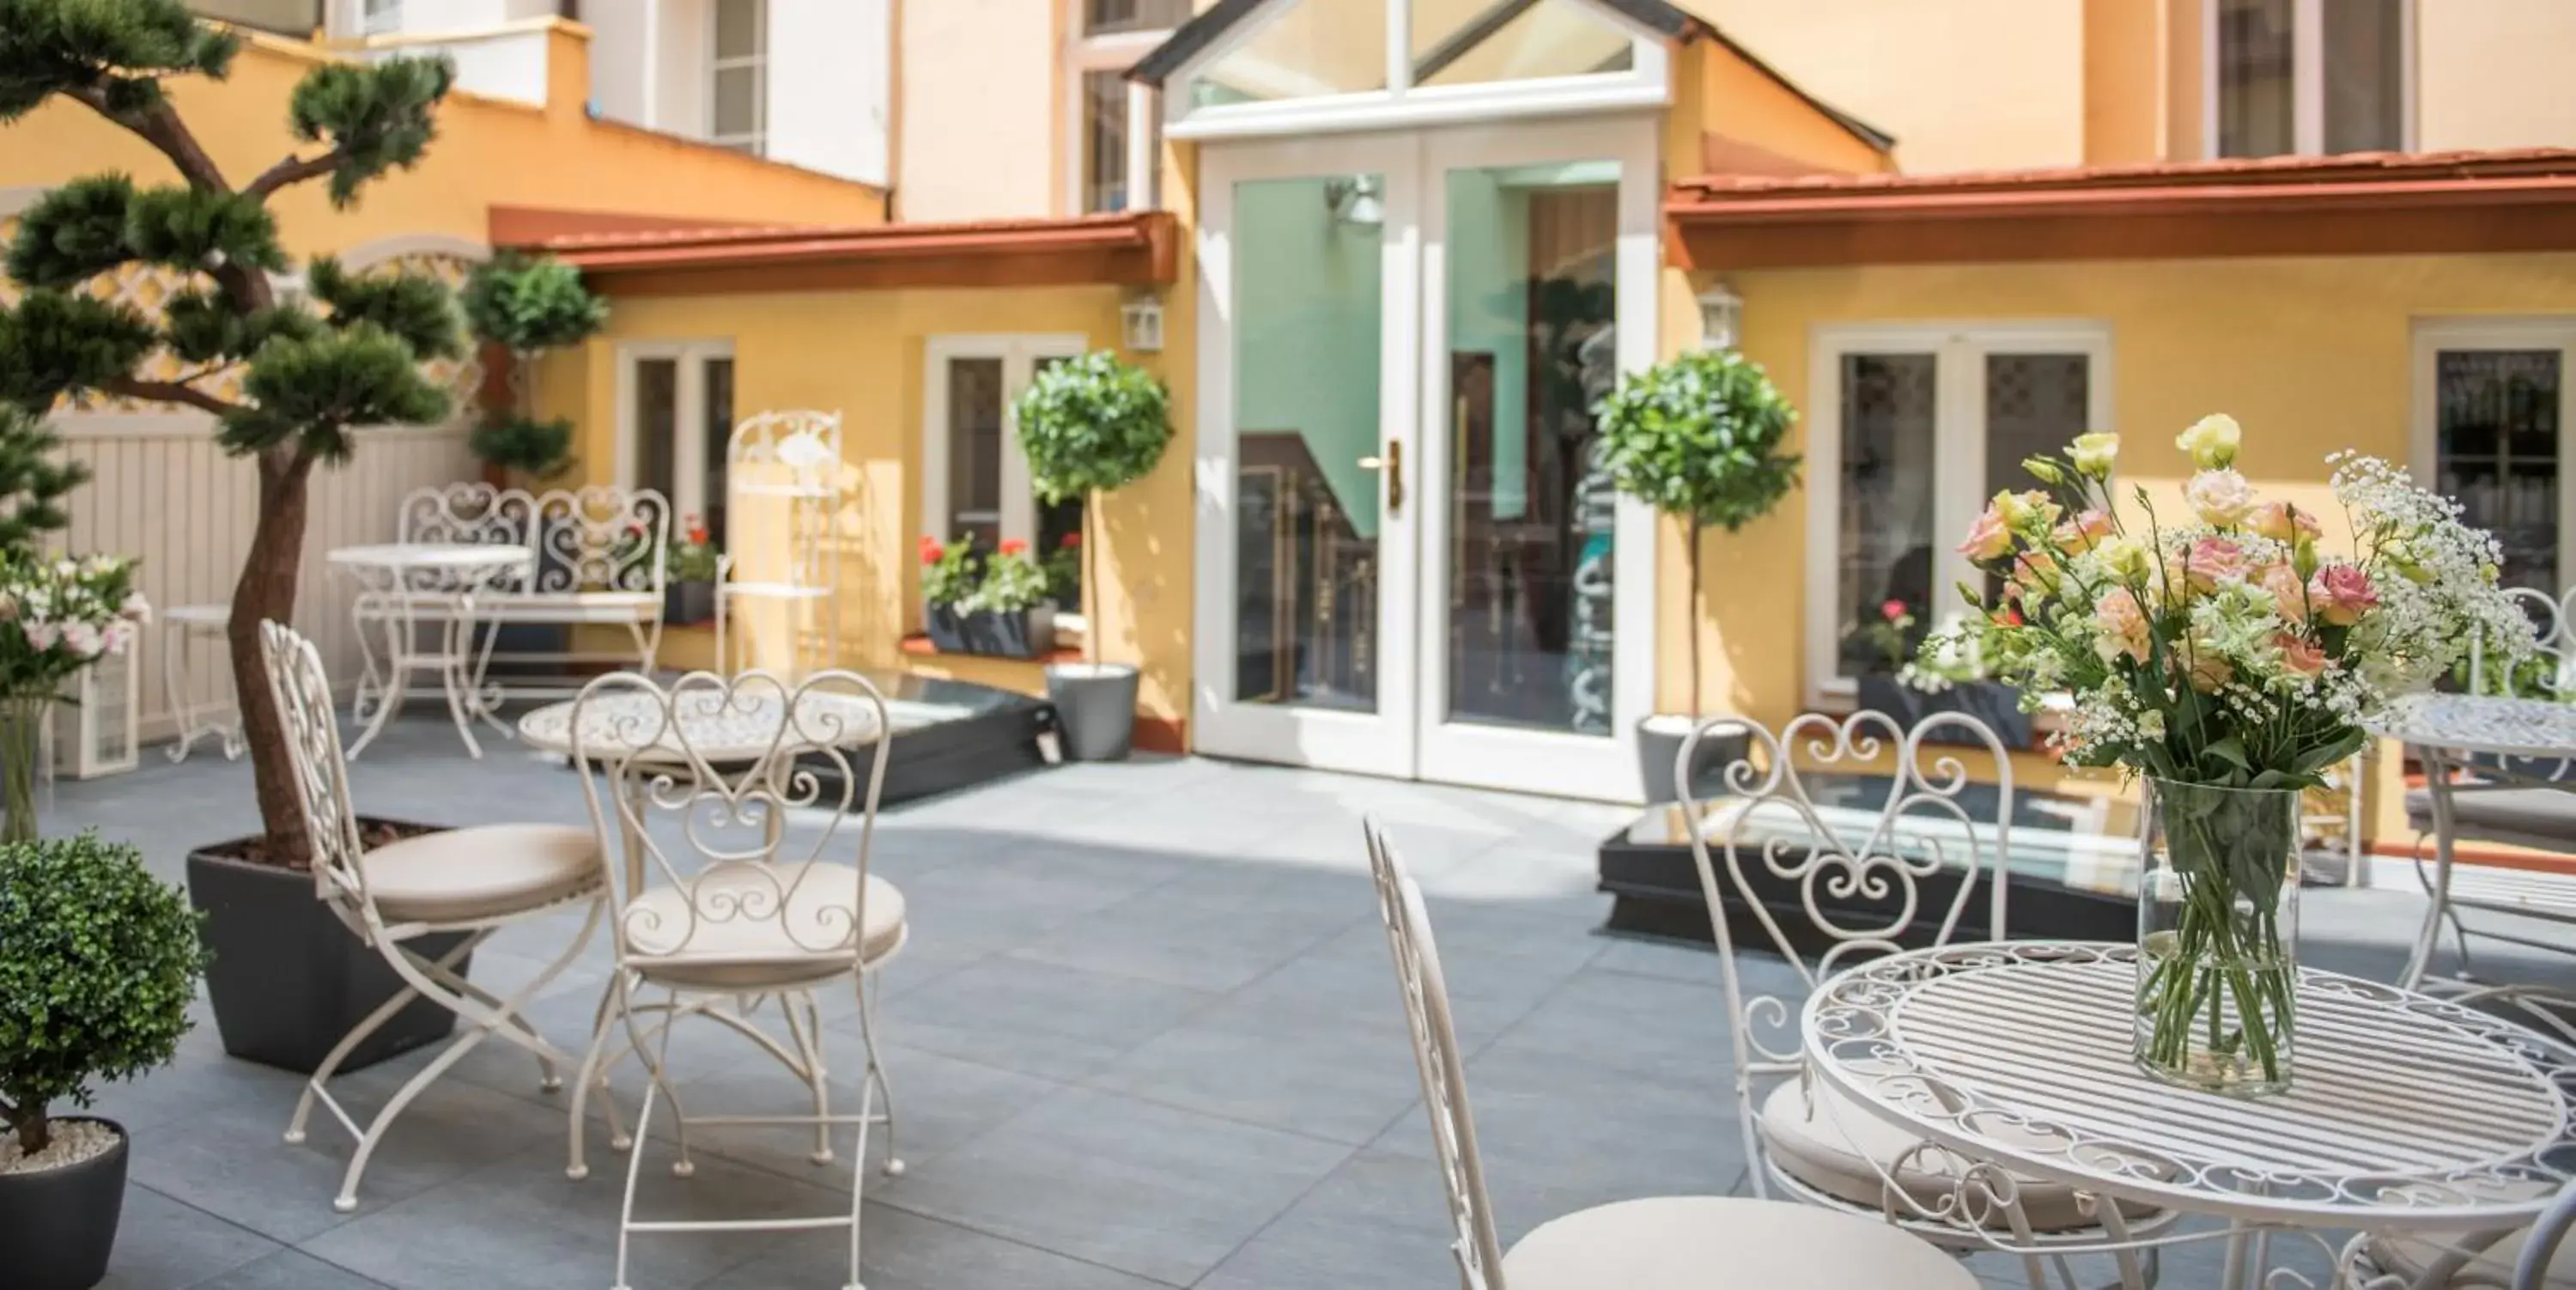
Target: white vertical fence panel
x,y
161,491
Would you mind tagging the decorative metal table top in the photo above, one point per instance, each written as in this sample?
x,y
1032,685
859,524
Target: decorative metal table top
x,y
2482,723
745,725
430,566
2404,1112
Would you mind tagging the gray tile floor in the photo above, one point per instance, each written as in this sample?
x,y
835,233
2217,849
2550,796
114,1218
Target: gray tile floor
x,y
1145,1035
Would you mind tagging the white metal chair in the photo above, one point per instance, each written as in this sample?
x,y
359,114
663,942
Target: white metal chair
x,y
182,628
474,880
1663,1243
721,912
1769,853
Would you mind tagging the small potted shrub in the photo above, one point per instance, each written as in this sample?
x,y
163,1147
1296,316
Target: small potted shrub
x,y
948,574
1698,436
527,305
534,449
1008,614
689,568
1089,426
98,960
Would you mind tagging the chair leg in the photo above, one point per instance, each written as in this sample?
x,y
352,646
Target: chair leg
x,y
876,1086
577,1164
807,1032
373,1022
174,688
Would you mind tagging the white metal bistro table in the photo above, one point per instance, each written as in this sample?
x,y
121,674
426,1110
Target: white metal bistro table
x,y
405,585
2521,745
2406,1114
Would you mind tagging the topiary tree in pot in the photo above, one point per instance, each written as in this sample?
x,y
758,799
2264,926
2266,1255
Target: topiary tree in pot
x,y
527,305
1088,426
285,384
1698,436
98,960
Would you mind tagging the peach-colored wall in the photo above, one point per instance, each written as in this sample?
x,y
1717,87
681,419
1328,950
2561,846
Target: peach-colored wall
x,y
979,128
1716,92
2492,74
2124,80
1962,84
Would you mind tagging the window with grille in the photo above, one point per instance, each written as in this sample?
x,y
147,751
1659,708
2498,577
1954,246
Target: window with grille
x,y
2491,399
2307,76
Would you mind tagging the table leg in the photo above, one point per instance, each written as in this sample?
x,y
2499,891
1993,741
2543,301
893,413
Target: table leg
x,y
398,663
2437,781
451,672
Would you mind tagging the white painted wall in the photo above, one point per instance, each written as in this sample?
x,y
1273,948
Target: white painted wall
x,y
505,64
982,129
686,39
829,73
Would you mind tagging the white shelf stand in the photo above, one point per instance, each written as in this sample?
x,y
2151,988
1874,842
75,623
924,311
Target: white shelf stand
x,y
782,563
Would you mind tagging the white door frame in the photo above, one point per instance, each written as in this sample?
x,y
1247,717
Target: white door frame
x,y
1380,742
688,415
1409,735
1519,758
1019,353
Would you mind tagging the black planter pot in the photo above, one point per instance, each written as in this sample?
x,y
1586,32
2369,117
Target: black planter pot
x,y
288,978
1022,633
1096,705
58,1226
1995,704
689,601
945,627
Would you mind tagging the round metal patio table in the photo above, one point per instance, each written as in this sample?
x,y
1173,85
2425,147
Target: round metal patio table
x,y
2405,1114
404,585
2521,744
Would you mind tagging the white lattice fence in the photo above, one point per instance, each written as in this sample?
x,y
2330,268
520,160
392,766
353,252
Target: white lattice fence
x,y
163,492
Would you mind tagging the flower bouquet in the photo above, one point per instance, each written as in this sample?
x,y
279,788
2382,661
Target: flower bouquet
x,y
2231,661
57,616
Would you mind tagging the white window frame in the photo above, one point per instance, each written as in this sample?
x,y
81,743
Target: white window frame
x,y
689,394
2307,78
2434,335
1019,355
1084,54
1646,84
379,17
1959,350
756,142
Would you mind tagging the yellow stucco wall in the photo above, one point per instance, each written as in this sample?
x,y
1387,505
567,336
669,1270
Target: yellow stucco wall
x,y
2125,80
2491,74
1715,91
2311,355
1962,84
862,354
488,152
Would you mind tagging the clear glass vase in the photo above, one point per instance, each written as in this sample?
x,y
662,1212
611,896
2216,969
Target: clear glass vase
x,y
2218,931
22,749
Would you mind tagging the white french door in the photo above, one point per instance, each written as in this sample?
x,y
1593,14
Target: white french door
x,y
1409,561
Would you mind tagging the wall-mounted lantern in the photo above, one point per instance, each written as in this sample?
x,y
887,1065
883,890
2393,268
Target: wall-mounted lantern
x,y
1140,324
1721,317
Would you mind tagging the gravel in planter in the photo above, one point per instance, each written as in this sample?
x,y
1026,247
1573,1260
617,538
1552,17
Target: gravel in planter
x,y
74,1141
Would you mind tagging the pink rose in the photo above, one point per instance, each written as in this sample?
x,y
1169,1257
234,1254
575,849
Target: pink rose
x,y
1989,538
2080,533
2213,559
2220,497
136,609
2283,522
2341,593
118,636
2120,627
2300,656
2288,593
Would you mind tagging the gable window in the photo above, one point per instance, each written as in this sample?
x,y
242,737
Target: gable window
x,y
738,68
974,482
675,415
1355,64
2491,397
1110,37
1914,428
2307,76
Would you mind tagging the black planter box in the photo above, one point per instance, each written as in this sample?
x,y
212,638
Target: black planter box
x,y
945,627
288,979
58,1227
1023,633
690,601
1996,704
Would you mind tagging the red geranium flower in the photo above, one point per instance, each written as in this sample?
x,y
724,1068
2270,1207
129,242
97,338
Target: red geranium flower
x,y
1892,610
697,535
930,550
1013,546
1071,540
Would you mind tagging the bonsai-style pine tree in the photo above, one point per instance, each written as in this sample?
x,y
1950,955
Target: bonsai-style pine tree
x,y
307,375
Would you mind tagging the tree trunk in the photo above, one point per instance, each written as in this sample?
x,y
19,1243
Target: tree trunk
x,y
1090,577
1694,620
35,1132
267,591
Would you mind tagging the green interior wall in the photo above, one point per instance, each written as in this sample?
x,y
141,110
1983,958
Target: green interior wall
x,y
1308,323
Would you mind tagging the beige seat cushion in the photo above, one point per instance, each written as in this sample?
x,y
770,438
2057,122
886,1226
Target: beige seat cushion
x,y
2412,1254
1719,1242
1822,1144
736,939
490,871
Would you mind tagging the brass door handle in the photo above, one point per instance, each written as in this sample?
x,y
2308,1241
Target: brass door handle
x,y
1393,464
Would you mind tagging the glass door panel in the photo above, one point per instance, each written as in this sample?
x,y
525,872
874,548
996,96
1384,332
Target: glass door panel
x,y
1530,550
1309,330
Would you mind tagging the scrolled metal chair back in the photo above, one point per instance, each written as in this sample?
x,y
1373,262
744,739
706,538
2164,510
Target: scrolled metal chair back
x,y
1855,879
302,689
2550,673
1436,1060
471,513
601,537
695,781
796,454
